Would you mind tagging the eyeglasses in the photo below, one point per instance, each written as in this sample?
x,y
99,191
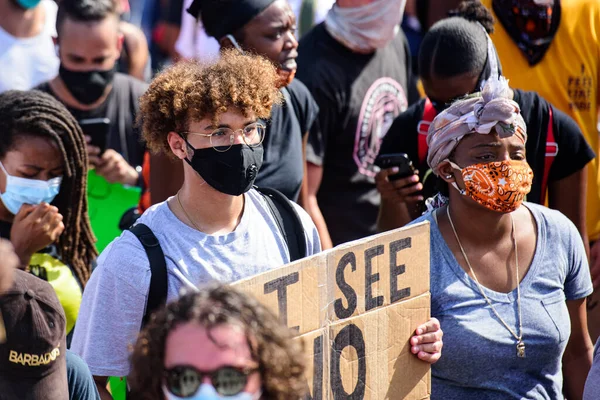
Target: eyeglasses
x,y
222,139
184,380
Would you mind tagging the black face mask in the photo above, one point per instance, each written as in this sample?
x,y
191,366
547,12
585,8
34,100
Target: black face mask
x,y
513,14
87,86
232,172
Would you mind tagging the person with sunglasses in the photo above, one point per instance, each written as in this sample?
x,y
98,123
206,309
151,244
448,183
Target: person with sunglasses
x,y
209,118
456,57
217,343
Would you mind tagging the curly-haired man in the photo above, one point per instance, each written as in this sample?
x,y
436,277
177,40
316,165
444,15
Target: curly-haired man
x,y
217,227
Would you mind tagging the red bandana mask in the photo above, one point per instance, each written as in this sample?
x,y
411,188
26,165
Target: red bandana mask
x,y
499,186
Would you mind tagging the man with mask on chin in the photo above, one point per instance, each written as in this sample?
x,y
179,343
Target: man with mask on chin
x,y
357,66
89,45
27,55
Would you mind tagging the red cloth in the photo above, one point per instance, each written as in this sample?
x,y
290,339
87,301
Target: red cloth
x,y
145,201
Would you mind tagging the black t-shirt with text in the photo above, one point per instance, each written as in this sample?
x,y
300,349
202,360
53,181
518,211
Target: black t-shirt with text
x,y
120,107
573,151
359,95
283,163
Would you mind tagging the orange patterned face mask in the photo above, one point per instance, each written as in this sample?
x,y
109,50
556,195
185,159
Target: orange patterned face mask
x,y
499,186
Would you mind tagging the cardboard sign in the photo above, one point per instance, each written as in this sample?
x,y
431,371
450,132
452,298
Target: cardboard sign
x,y
355,308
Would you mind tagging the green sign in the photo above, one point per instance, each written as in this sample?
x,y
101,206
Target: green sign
x,y
117,387
107,202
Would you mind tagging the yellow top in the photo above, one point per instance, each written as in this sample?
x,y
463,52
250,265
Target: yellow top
x,y
568,77
59,275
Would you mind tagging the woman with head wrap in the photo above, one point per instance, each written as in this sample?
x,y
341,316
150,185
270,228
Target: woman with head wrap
x,y
455,58
266,28
508,279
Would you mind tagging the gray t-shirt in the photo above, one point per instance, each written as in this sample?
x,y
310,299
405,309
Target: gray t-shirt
x,y
479,360
592,385
114,299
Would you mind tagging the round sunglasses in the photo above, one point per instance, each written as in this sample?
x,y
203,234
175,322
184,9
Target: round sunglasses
x,y
185,380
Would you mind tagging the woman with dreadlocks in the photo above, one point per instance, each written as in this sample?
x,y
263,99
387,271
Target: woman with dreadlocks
x,y
43,207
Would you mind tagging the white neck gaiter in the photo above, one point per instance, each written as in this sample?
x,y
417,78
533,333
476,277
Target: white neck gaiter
x,y
367,28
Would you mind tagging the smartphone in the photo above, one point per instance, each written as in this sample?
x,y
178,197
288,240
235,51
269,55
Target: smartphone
x,y
98,129
400,160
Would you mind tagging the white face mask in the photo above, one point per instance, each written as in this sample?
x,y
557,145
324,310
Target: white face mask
x,y
367,28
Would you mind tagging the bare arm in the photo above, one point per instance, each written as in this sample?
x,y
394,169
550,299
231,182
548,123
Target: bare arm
x,y
101,382
577,359
396,197
166,177
568,196
314,175
392,215
137,49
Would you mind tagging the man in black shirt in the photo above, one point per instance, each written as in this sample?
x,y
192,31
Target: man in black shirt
x,y
357,66
89,45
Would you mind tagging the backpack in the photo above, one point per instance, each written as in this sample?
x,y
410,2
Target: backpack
x,y
286,218
430,113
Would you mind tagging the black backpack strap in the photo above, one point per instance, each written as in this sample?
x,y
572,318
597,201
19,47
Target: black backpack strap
x,y
288,221
157,295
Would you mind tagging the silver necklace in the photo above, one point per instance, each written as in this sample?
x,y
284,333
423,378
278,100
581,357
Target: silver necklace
x,y
519,338
186,214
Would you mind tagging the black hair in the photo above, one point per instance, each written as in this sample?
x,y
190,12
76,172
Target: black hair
x,y
85,11
475,11
34,113
456,45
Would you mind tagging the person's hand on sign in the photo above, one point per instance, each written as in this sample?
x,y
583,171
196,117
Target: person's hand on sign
x,y
8,263
595,264
405,190
427,342
113,167
34,228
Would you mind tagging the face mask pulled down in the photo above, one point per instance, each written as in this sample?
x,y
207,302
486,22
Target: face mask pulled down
x,y
498,186
367,28
232,172
21,191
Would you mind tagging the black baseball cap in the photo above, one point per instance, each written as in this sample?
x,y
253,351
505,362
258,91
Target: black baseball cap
x,y
32,360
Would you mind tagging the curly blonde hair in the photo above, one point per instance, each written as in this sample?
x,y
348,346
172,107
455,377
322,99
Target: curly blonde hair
x,y
191,91
280,357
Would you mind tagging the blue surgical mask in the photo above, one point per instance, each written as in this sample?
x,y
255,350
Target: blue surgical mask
x,y
21,191
208,392
27,4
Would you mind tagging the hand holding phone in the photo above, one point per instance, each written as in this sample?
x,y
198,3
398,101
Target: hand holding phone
x,y
398,180
399,160
97,129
